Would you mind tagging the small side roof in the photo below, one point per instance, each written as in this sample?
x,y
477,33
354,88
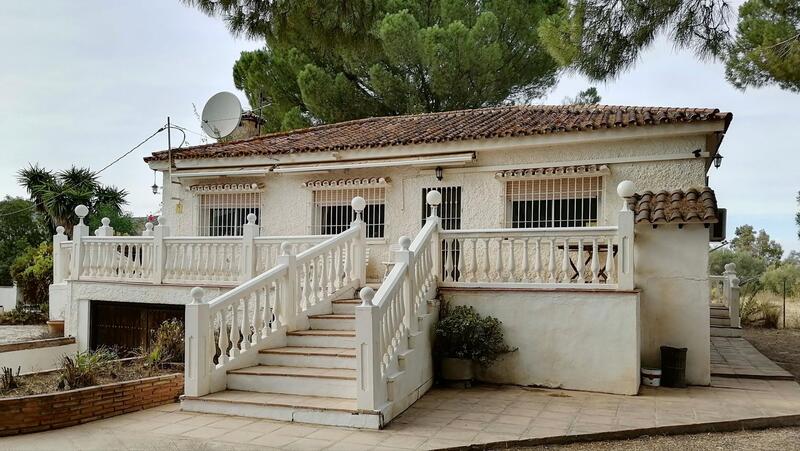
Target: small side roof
x,y
695,205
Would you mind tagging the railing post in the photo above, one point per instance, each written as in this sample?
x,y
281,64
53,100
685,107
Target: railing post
x,y
148,229
58,255
434,199
289,295
249,232
730,291
371,389
105,229
360,246
78,232
197,329
404,255
159,250
625,235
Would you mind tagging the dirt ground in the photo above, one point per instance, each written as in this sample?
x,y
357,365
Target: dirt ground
x,y
770,439
782,346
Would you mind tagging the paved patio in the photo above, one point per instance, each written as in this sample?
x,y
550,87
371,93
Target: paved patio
x,y
736,357
442,418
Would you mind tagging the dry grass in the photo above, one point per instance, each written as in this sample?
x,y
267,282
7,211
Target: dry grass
x,y
782,346
770,439
792,308
118,371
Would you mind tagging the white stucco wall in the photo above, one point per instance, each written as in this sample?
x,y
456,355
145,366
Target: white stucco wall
x,y
287,206
566,339
38,359
672,272
8,298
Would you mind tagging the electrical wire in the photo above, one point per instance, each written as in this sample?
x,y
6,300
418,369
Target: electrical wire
x,y
32,207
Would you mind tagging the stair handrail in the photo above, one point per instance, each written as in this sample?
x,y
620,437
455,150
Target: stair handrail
x,y
386,318
246,318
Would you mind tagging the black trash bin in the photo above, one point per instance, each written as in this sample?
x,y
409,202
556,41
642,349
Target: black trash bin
x,y
673,367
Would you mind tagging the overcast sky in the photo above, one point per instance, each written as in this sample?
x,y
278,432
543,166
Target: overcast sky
x,y
83,82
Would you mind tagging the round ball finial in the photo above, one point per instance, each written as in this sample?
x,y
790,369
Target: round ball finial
x,y
286,248
366,294
162,220
60,230
81,211
105,222
358,203
730,267
251,218
197,295
405,242
433,198
148,226
626,189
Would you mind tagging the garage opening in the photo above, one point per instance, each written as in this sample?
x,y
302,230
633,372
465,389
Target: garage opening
x,y
127,326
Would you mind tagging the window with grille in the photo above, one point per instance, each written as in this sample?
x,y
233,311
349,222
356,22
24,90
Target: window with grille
x,y
449,210
332,213
554,202
224,212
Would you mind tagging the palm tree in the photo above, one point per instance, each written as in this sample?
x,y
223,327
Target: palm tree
x,y
57,194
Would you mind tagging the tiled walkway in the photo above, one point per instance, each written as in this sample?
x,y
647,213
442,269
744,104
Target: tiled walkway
x,y
736,357
442,418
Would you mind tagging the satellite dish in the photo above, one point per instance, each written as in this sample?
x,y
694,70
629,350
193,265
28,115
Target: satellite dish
x,y
221,115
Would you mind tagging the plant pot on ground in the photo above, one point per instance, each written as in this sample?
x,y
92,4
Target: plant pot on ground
x,y
465,339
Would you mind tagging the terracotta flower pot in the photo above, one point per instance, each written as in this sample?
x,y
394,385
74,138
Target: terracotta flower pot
x,y
457,370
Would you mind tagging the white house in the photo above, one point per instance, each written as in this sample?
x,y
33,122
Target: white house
x,y
585,229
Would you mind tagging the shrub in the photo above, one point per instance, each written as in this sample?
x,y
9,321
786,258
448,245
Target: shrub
x,y
9,381
166,345
36,314
464,334
84,369
760,313
33,273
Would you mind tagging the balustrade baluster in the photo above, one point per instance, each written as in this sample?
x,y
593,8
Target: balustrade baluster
x,y
458,254
245,328
222,340
348,263
551,263
565,276
512,260
306,285
448,260
611,274
595,262
486,268
525,268
537,262
235,330
499,262
211,346
473,265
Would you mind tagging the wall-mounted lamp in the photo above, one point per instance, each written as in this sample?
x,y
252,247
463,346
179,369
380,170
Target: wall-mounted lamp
x,y
439,173
155,185
718,160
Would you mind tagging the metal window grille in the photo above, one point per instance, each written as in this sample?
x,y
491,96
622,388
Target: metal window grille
x,y
554,202
224,213
332,213
449,210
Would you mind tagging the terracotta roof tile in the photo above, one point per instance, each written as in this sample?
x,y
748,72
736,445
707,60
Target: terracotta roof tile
x,y
695,205
464,125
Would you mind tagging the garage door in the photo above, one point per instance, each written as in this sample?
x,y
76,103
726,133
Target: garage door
x,y
128,326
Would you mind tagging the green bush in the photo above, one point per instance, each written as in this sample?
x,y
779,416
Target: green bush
x,y
166,345
464,334
33,273
25,315
84,369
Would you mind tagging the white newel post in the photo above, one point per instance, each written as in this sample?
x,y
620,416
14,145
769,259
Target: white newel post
x,y
360,246
730,288
148,229
434,199
196,371
625,190
289,295
404,255
105,228
371,389
78,232
58,255
159,250
249,232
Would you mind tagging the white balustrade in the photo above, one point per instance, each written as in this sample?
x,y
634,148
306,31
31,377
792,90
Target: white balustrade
x,y
724,291
117,258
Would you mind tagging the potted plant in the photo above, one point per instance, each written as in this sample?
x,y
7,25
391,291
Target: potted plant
x,y
465,338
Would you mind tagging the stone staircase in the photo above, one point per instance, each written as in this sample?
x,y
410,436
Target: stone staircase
x,y
721,322
311,380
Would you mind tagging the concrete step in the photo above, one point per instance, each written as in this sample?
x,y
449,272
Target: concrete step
x,y
345,306
334,321
290,380
307,356
275,406
314,338
725,322
726,331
